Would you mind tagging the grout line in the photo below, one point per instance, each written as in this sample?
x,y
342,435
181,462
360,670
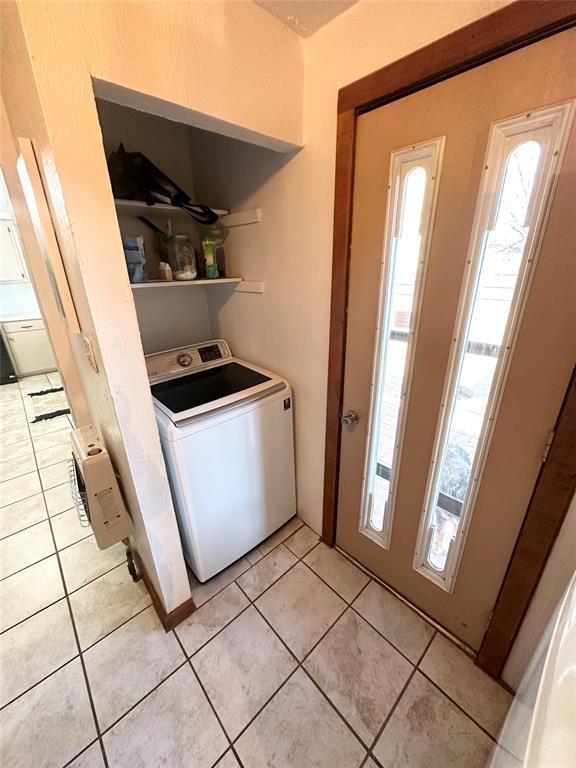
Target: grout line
x,y
200,647
18,501
105,573
48,605
250,565
208,699
30,565
70,763
42,679
132,707
299,663
26,528
428,619
62,549
88,647
458,706
75,630
395,705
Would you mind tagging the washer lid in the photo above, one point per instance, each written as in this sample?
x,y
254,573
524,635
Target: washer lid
x,y
209,389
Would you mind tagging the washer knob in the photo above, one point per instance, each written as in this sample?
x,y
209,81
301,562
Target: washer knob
x,y
185,360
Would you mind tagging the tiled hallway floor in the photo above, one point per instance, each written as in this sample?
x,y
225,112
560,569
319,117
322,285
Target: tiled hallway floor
x,y
294,659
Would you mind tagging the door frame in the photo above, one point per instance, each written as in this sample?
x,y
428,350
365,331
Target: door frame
x,y
513,27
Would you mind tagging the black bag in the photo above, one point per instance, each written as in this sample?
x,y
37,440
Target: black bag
x,y
134,177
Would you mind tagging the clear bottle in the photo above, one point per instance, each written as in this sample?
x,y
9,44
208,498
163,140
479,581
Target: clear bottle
x,y
182,257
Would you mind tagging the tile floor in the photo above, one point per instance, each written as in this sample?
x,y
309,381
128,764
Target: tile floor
x,y
295,658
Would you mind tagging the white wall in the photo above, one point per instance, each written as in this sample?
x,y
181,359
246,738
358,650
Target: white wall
x,y
234,63
173,51
559,570
366,37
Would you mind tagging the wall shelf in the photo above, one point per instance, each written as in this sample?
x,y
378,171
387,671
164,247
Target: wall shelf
x,y
186,283
240,285
139,208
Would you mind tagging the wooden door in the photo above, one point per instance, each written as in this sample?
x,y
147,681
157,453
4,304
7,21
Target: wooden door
x,y
498,151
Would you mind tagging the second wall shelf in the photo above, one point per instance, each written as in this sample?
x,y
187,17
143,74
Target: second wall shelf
x,y
241,285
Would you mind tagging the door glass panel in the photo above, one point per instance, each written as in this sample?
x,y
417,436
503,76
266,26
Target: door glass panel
x,y
413,181
499,270
511,210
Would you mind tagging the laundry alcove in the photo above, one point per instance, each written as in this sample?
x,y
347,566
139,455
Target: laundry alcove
x,y
237,180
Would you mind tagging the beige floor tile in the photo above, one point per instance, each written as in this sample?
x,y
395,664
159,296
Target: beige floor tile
x,y
127,664
50,724
471,688
427,730
254,556
105,603
20,465
228,761
280,535
11,407
22,514
68,530
15,436
47,426
405,629
54,455
19,488
241,668
52,439
300,608
189,734
84,562
56,474
25,548
203,592
12,422
28,591
90,758
33,649
360,672
35,383
337,571
266,572
299,728
301,542
16,450
54,379
58,499
213,616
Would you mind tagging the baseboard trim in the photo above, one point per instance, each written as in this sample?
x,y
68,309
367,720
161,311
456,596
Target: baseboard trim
x,y
173,618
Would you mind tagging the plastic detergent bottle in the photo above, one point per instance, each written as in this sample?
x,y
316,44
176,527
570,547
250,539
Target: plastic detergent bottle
x,y
209,251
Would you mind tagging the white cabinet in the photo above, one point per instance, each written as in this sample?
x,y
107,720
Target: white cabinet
x,y
29,347
12,265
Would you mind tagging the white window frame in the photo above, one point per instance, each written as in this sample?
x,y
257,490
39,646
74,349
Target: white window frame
x,y
7,215
548,126
427,155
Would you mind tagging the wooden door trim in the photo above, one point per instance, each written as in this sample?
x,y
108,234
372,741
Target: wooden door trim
x,y
553,492
515,26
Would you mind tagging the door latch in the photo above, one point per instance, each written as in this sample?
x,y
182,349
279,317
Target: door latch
x,y
349,419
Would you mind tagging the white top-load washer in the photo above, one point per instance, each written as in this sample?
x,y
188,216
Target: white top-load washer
x,y
227,437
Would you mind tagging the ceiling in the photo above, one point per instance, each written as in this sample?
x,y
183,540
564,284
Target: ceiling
x,y
305,16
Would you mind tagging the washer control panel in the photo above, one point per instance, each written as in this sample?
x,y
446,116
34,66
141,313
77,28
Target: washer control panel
x,y
176,361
